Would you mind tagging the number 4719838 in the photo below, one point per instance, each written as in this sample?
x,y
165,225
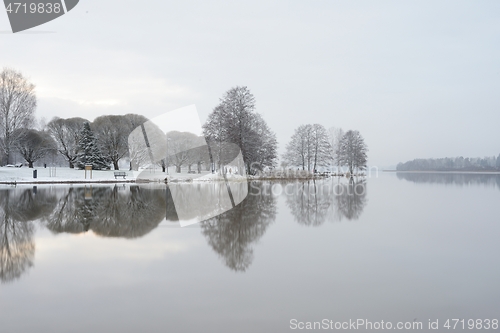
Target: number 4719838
x,y
471,324
48,8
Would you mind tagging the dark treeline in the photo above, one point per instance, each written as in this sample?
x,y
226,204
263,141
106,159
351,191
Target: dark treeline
x,y
312,146
452,164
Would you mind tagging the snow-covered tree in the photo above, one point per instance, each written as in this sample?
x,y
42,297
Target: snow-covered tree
x,y
298,150
352,151
66,132
185,149
235,121
112,134
34,145
17,108
89,152
309,147
321,146
335,135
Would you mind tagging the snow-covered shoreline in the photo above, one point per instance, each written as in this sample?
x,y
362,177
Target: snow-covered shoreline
x,y
65,175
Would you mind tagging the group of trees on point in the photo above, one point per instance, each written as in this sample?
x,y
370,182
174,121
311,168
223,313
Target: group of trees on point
x,y
312,146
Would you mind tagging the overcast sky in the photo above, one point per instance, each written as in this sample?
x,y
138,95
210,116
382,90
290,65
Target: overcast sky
x,y
416,78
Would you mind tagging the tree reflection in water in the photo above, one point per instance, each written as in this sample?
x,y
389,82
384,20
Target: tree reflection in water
x,y
458,179
134,211
314,202
233,233
109,211
18,210
351,199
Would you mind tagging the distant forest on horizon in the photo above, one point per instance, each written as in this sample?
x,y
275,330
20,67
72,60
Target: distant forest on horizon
x,y
452,164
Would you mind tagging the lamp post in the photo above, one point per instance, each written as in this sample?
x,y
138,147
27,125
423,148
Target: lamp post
x,y
166,158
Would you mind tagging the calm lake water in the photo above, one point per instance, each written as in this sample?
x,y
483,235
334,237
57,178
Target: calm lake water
x,y
399,248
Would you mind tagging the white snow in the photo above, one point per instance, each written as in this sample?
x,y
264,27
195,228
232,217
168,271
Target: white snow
x,y
67,175
59,174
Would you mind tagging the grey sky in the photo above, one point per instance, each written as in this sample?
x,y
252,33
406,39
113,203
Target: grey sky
x,y
416,78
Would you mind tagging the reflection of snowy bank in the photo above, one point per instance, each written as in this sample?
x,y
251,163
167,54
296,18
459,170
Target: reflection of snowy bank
x,y
218,177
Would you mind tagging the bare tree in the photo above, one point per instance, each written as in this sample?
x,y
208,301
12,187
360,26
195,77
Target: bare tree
x,y
17,107
135,155
198,155
335,136
112,135
265,153
66,133
138,154
321,148
352,151
298,150
34,145
309,147
234,121
182,149
147,146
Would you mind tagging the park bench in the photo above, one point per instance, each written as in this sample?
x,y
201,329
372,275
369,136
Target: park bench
x,y
120,174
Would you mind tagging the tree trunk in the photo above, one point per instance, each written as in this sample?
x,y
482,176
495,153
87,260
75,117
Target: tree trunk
x,y
115,165
71,165
30,164
315,160
7,155
178,168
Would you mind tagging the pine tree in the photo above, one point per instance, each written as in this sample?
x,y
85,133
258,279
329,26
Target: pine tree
x,y
89,152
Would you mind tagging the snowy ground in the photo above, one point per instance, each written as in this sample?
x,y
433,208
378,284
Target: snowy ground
x,y
67,175
57,175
